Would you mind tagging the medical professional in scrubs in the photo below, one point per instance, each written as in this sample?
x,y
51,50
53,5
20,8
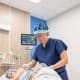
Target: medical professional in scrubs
x,y
52,52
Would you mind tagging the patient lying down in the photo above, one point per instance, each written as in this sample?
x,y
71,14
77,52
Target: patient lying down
x,y
43,74
29,74
10,74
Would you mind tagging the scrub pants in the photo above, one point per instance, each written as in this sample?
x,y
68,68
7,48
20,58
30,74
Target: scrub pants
x,y
63,75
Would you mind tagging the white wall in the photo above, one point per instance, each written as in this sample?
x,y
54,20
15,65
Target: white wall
x,y
67,28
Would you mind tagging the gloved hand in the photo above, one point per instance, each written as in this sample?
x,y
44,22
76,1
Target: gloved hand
x,y
25,66
52,67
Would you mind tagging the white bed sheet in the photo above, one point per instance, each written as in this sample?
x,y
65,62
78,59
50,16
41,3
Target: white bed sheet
x,y
47,74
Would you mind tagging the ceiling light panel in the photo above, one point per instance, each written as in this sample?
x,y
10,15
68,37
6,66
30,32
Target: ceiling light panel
x,y
35,1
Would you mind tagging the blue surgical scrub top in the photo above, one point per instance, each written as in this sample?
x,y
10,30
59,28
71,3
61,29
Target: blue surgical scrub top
x,y
50,54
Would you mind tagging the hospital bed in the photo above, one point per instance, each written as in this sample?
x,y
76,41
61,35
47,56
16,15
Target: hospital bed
x,y
43,74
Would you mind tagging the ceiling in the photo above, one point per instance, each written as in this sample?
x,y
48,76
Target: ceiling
x,y
46,9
